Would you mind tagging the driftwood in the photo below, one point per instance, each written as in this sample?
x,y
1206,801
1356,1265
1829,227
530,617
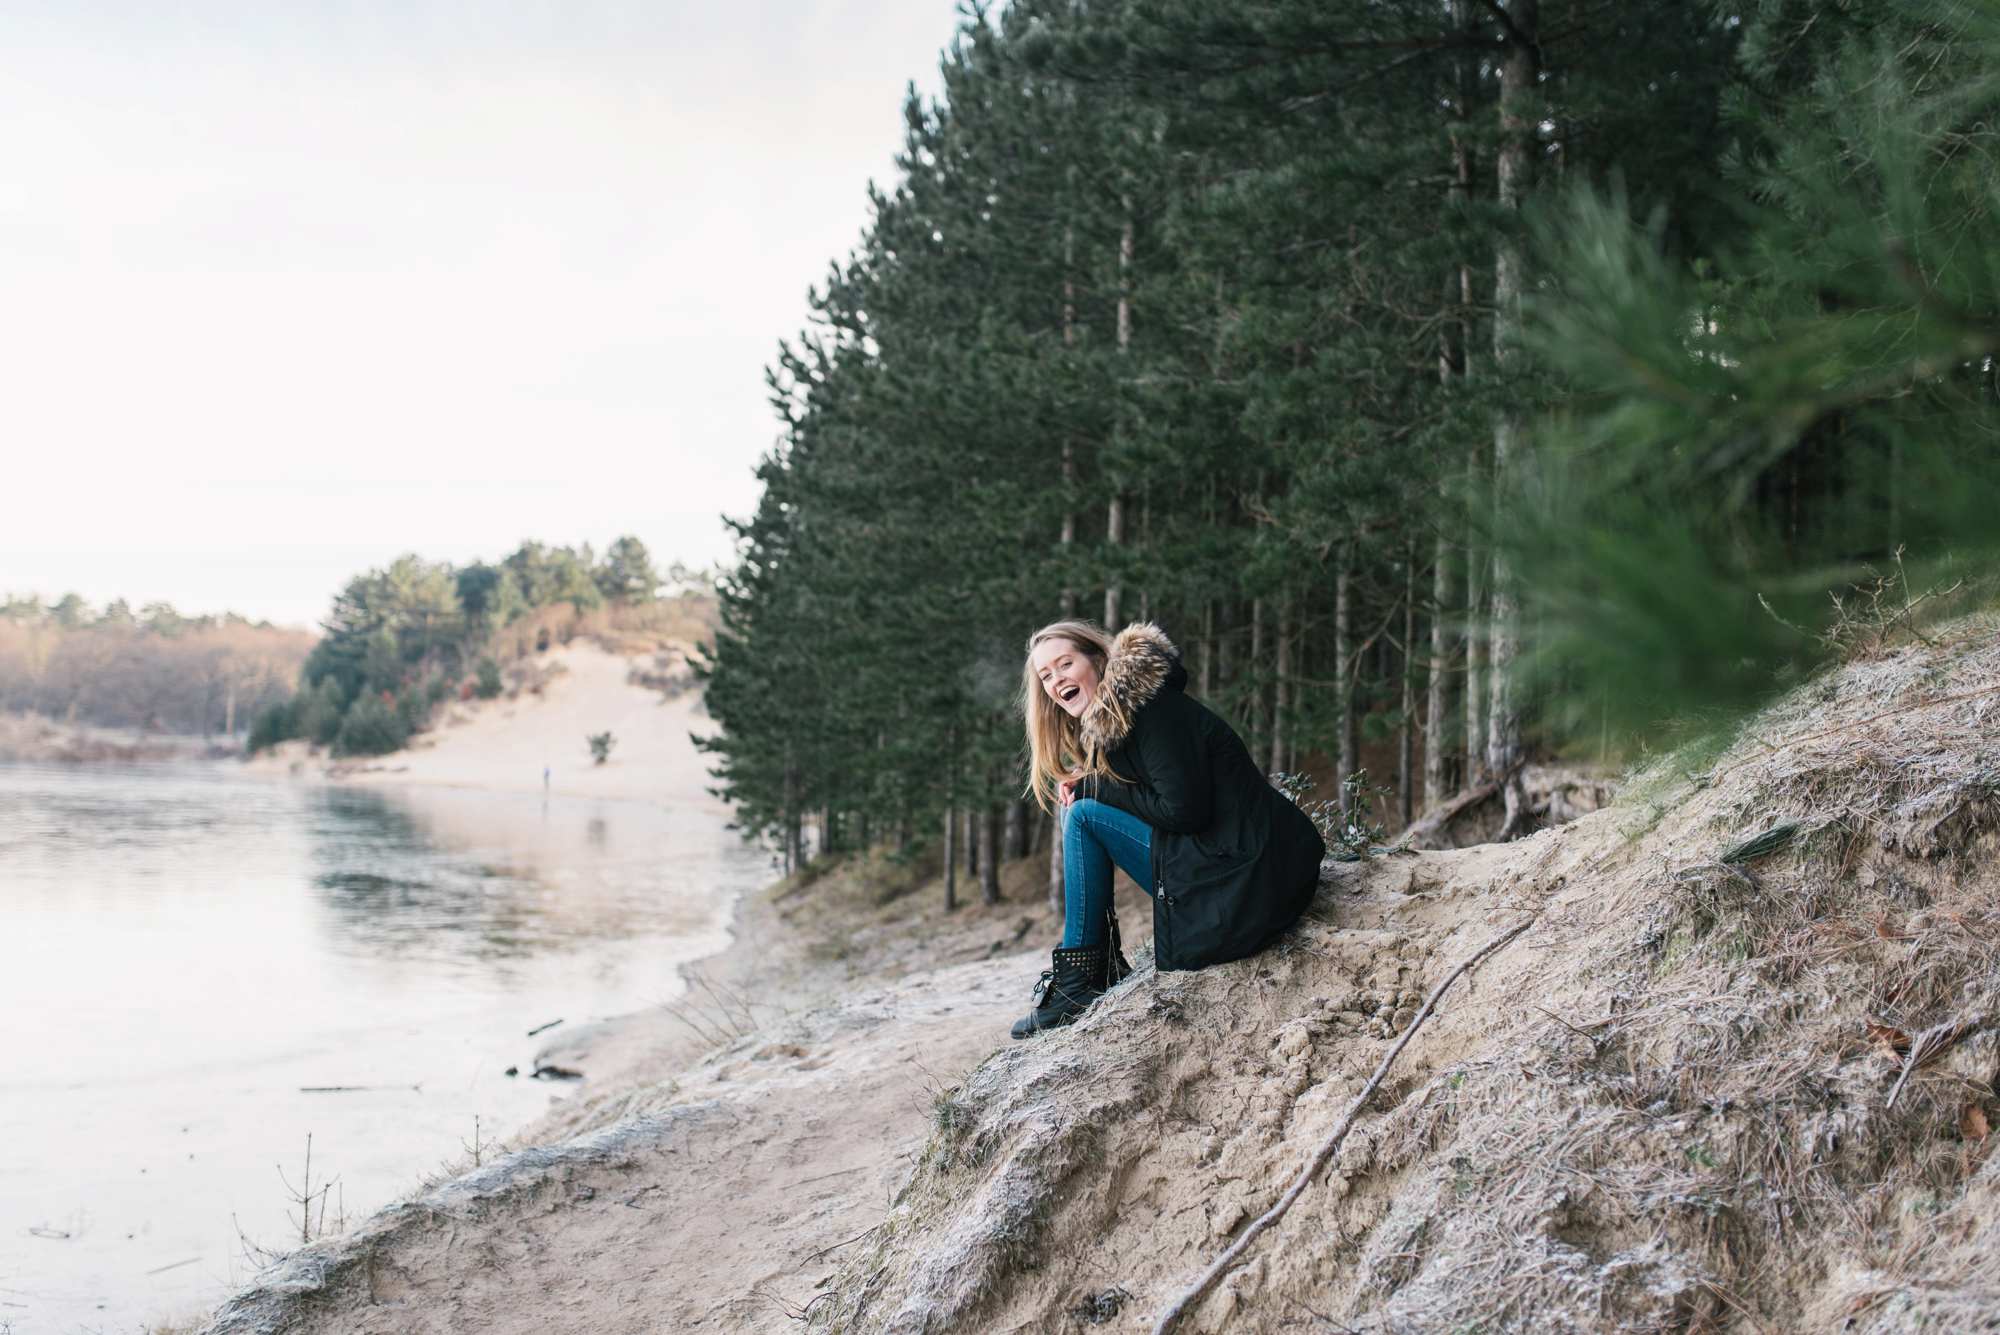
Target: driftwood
x,y
1223,1263
1436,819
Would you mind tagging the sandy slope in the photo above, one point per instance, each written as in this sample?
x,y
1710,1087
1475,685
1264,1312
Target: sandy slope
x,y
1706,1091
721,1154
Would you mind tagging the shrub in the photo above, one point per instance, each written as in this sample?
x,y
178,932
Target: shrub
x,y
319,713
276,723
490,684
600,746
371,728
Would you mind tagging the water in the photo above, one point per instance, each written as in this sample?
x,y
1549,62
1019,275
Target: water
x,y
183,951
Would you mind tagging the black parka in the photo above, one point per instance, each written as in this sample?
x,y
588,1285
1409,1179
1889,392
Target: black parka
x,y
1235,862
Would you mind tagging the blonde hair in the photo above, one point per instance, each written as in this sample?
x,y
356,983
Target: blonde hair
x,y
1056,752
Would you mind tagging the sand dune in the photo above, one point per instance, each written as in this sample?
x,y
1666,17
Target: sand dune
x,y
504,745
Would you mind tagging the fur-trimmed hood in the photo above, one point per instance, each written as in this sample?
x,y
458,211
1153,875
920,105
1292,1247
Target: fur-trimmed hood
x,y
1141,663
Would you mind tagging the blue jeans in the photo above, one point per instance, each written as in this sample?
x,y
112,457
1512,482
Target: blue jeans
x,y
1094,837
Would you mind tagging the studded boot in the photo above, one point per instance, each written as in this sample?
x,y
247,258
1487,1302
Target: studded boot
x,y
1078,976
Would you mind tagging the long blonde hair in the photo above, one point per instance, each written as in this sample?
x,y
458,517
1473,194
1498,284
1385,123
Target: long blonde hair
x,y
1056,753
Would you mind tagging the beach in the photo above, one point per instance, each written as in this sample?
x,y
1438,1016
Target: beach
x,y
720,1150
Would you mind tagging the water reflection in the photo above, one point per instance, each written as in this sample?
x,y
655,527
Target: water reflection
x,y
201,947
391,890
469,878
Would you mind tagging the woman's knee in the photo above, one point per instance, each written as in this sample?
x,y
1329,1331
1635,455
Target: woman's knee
x,y
1087,809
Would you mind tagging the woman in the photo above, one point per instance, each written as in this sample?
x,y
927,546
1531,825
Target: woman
x,y
1149,779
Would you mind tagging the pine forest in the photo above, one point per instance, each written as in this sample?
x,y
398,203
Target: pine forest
x,y
1454,381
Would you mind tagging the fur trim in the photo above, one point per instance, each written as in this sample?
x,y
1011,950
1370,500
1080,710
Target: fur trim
x,y
1141,659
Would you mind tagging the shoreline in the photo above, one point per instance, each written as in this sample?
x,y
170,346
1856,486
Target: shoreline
x,y
719,1152
477,746
722,1149
34,739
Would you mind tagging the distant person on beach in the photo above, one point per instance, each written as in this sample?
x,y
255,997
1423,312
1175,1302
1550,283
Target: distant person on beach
x,y
1147,778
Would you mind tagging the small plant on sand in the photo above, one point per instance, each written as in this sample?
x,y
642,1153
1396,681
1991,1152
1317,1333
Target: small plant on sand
x,y
303,1196
477,1148
1349,824
600,744
311,1221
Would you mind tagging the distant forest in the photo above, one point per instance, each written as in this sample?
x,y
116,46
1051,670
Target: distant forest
x,y
153,669
1452,379
401,641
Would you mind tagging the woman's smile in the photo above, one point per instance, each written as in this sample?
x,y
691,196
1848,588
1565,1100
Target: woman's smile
x,y
1067,674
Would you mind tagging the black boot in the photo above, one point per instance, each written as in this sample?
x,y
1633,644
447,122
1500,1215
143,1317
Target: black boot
x,y
1079,977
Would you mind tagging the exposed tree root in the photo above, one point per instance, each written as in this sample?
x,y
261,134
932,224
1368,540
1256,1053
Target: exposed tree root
x,y
1327,1148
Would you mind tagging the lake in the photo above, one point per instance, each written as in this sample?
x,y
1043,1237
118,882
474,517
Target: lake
x,y
189,950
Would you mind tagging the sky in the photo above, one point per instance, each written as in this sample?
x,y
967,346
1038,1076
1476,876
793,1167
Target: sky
x,y
288,290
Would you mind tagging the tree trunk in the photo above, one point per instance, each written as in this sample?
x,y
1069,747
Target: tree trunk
x,y
1345,668
1465,71
1437,703
1016,841
1205,652
1068,443
1282,701
950,859
989,854
1514,165
1114,520
1406,766
1225,649
1474,760
1114,536
1255,674
1145,545
971,842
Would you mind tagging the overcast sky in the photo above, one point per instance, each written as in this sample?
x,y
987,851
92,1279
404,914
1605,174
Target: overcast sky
x,y
287,289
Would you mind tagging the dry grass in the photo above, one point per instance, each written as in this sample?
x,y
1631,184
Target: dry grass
x,y
670,625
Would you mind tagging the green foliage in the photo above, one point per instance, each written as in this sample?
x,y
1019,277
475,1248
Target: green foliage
x,y
600,744
1806,413
549,575
371,726
1197,266
410,630
318,712
627,573
275,723
1350,824
489,595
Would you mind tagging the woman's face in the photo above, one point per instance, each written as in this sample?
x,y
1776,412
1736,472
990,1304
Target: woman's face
x,y
1066,673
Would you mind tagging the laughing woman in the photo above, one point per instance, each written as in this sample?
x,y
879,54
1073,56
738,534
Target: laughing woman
x,y
1149,779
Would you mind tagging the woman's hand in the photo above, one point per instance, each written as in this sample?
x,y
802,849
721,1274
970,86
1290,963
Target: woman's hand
x,y
1066,793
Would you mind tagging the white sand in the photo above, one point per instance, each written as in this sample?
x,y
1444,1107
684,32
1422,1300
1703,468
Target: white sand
x,y
503,745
